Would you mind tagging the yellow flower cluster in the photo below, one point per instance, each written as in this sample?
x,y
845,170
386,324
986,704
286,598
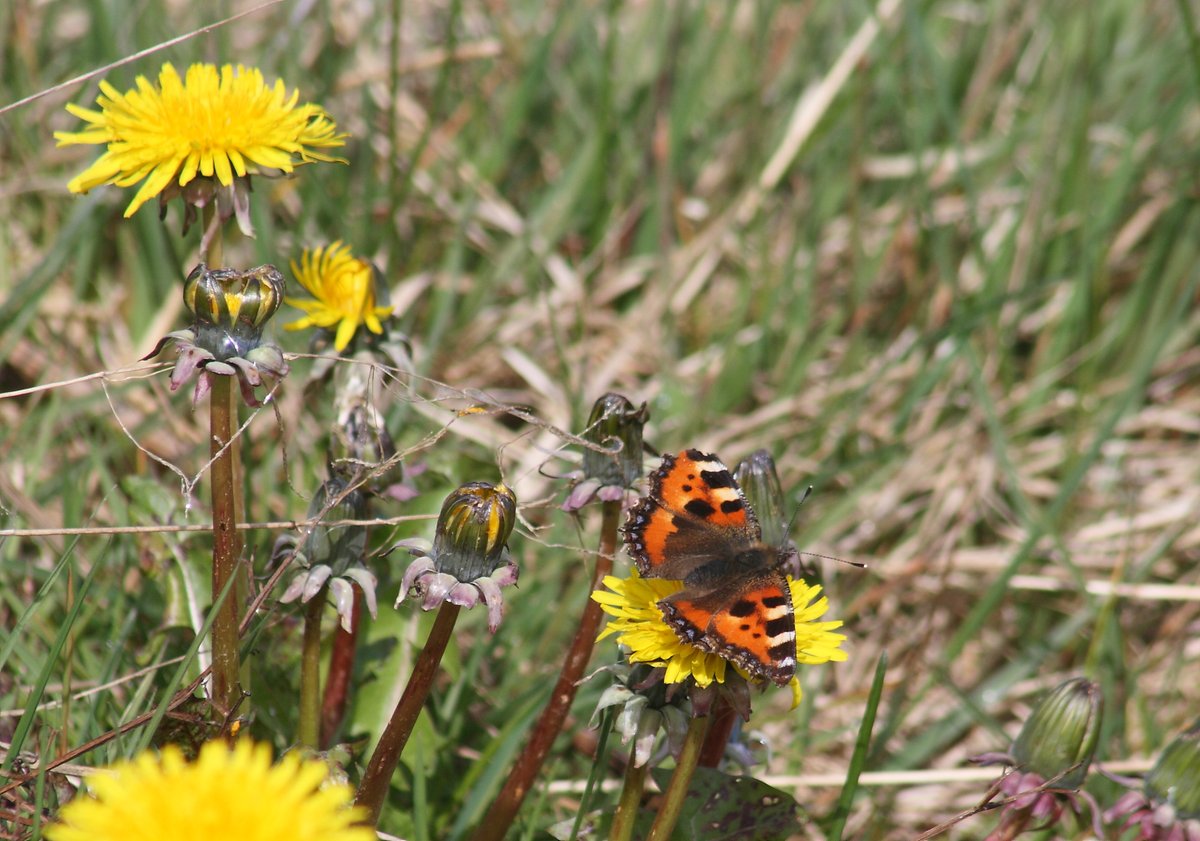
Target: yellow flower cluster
x,y
228,792
343,290
211,123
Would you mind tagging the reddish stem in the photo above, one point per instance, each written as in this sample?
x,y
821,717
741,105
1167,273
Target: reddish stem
x,y
724,717
225,686
341,669
504,809
373,788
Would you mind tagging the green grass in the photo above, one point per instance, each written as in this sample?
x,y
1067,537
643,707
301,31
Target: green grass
x,y
964,312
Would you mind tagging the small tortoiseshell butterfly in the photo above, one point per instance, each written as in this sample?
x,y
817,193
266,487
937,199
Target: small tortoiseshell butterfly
x,y
696,527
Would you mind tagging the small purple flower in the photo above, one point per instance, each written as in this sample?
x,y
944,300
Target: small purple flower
x,y
468,561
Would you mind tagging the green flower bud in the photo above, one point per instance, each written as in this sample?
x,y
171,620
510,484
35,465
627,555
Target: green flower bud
x,y
609,475
1060,735
231,307
343,545
1175,777
472,529
615,422
760,483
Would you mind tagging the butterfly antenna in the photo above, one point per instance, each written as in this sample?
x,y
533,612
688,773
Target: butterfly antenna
x,y
835,558
796,513
792,522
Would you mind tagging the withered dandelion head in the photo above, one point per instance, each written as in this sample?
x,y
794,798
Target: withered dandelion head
x,y
228,792
221,124
638,624
343,290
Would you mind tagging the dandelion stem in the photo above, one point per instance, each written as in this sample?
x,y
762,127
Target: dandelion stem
x,y
631,797
723,718
227,542
504,809
341,669
373,789
225,559
310,672
668,815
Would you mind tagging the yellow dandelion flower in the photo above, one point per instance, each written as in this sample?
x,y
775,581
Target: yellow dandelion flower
x,y
638,625
343,290
221,124
226,793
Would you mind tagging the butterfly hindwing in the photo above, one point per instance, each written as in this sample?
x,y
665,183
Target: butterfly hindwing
x,y
754,628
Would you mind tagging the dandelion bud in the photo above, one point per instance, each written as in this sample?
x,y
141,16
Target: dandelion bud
x,y
1167,807
616,426
341,546
1059,737
468,561
1175,778
760,483
331,555
232,306
472,529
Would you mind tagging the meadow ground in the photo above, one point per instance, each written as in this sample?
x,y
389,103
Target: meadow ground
x,y
939,258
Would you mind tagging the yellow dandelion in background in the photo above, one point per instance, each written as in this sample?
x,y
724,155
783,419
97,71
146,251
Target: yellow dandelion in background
x,y
638,625
343,290
221,124
226,793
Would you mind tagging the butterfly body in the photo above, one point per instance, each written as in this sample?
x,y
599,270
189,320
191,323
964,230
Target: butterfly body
x,y
696,527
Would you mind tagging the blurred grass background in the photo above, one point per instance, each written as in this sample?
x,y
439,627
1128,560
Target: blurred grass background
x,y
939,257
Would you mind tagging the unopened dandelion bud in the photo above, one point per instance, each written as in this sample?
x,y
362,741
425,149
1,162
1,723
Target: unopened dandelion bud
x,y
1175,778
1059,737
616,425
472,529
468,561
231,307
760,483
331,554
342,545
608,474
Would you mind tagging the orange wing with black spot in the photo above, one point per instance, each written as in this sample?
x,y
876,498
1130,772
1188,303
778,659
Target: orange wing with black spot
x,y
694,512
754,626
